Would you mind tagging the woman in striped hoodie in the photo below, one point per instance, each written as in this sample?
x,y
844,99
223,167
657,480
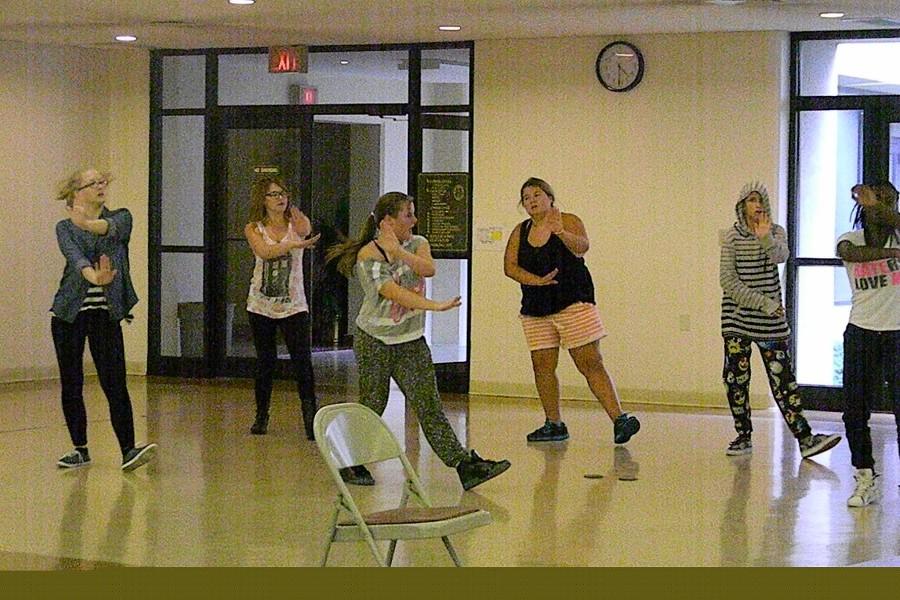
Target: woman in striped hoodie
x,y
752,312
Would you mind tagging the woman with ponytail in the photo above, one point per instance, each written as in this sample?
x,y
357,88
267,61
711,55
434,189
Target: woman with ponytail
x,y
391,264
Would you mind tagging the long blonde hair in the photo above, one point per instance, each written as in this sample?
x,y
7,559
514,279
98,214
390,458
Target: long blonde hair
x,y
390,204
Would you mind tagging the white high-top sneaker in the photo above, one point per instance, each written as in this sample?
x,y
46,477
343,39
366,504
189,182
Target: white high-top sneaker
x,y
866,491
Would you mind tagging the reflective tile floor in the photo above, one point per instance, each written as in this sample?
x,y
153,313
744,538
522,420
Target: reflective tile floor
x,y
218,496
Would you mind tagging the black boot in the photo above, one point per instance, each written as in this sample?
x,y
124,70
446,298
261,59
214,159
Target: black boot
x,y
309,406
261,424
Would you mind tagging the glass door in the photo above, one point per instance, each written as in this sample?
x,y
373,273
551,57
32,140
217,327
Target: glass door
x,y
252,146
836,149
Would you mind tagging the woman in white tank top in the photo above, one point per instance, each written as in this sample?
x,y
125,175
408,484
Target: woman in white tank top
x,y
278,233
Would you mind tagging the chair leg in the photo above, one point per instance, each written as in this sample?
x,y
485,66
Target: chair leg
x,y
390,554
334,519
374,548
452,552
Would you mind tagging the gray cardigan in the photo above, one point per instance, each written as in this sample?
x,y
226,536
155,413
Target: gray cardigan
x,y
83,249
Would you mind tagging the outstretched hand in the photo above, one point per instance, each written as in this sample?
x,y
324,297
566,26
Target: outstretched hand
x,y
448,304
103,271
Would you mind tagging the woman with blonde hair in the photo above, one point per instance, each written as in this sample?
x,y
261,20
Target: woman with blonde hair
x,y
94,295
391,264
278,233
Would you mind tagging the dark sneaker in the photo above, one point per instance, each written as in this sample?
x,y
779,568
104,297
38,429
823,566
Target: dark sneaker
x,y
358,475
75,458
475,470
550,432
260,425
625,426
740,445
137,456
817,444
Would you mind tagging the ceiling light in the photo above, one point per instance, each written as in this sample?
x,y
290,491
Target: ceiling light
x,y
726,2
345,62
126,38
241,1
831,15
449,27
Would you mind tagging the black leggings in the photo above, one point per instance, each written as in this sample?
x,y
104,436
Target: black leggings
x,y
871,358
104,337
295,330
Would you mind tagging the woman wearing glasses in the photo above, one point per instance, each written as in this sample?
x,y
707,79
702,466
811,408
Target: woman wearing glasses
x,y
278,233
95,294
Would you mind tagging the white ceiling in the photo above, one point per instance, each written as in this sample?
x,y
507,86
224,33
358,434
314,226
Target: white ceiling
x,y
215,23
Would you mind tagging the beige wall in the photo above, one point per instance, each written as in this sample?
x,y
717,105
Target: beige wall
x,y
62,109
653,173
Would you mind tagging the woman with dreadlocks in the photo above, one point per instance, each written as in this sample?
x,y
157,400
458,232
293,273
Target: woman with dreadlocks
x,y
871,255
752,312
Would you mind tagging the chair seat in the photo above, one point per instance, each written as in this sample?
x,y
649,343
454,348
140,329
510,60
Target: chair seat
x,y
415,522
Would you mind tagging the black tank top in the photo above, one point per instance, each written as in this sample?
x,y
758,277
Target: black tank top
x,y
574,282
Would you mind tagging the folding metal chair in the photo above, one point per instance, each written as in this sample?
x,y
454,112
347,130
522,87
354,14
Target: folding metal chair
x,y
351,434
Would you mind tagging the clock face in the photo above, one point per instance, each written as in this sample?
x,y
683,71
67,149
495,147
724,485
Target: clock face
x,y
620,66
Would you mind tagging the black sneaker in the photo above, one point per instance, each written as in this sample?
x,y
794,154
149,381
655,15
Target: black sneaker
x,y
260,425
358,475
817,444
137,456
550,432
625,426
75,458
739,446
475,470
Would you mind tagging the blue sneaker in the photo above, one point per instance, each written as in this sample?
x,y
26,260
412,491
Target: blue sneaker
x,y
550,432
625,426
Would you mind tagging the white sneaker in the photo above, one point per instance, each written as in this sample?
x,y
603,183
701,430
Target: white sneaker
x,y
866,491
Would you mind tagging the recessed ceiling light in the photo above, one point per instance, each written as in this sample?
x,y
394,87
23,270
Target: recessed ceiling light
x,y
241,1
726,2
449,27
345,62
126,38
831,15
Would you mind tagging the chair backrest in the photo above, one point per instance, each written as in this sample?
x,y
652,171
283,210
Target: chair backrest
x,y
350,434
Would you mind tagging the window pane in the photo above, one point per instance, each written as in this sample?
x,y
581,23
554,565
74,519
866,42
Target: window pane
x,y
445,150
822,313
447,332
849,67
445,76
366,78
181,304
182,181
184,81
894,155
830,163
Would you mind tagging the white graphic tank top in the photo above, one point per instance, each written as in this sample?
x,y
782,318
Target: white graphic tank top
x,y
276,288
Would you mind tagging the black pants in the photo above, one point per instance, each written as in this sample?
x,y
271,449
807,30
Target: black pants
x,y
104,337
295,330
871,358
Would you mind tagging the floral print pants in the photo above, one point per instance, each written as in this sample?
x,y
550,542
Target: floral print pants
x,y
736,375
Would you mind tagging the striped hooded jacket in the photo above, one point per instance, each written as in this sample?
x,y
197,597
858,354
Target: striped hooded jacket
x,y
748,274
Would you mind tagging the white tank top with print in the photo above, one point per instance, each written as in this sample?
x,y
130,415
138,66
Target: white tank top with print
x,y
276,288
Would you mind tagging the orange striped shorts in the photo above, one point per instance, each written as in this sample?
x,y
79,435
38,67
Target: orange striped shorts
x,y
573,326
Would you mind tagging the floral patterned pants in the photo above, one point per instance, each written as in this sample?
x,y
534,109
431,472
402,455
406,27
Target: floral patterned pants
x,y
736,375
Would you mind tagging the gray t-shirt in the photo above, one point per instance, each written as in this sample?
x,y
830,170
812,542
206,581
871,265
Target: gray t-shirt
x,y
384,319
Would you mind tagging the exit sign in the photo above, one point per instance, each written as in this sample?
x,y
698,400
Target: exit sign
x,y
288,59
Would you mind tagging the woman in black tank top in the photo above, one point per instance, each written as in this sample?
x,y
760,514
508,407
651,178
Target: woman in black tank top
x,y
544,254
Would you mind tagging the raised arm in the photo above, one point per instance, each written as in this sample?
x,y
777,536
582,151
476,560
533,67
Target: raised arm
x,y
420,261
775,244
570,230
511,266
268,251
850,252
